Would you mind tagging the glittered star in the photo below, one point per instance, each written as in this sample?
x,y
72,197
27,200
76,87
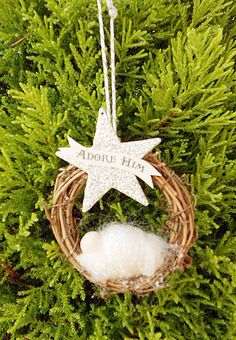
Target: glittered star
x,y
111,164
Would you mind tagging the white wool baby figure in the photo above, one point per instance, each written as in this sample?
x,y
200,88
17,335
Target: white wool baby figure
x,y
121,251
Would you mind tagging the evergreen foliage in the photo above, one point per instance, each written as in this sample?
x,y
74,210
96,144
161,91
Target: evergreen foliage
x,y
175,79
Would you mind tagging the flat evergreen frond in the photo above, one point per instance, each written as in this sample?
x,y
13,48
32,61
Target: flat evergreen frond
x,y
11,23
175,68
205,12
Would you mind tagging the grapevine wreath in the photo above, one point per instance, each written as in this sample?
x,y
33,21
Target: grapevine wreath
x,y
180,225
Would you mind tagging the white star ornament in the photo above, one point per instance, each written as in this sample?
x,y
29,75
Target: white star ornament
x,y
111,164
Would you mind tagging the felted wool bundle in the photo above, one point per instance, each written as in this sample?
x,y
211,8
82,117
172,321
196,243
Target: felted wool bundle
x,y
121,251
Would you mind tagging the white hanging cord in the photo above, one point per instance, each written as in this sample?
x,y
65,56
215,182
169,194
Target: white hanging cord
x,y
104,58
113,13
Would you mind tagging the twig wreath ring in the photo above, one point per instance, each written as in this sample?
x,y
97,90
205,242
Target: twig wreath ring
x,y
111,164
180,225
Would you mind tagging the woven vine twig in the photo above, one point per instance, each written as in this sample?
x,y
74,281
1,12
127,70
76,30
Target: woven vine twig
x,y
182,233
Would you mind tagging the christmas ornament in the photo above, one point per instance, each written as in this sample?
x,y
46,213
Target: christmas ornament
x,y
108,164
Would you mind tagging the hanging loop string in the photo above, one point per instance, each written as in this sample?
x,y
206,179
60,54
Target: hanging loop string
x,y
104,59
113,13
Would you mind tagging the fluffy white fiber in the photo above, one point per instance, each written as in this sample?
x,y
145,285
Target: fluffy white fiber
x,y
121,251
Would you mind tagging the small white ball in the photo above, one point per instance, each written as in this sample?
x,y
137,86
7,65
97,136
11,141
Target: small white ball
x,y
90,242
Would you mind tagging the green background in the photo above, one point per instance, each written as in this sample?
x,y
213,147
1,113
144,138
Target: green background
x,y
175,79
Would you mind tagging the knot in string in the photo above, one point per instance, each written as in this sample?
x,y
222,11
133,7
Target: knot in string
x,y
112,10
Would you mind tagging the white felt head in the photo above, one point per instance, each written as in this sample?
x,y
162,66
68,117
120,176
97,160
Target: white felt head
x,y
90,242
